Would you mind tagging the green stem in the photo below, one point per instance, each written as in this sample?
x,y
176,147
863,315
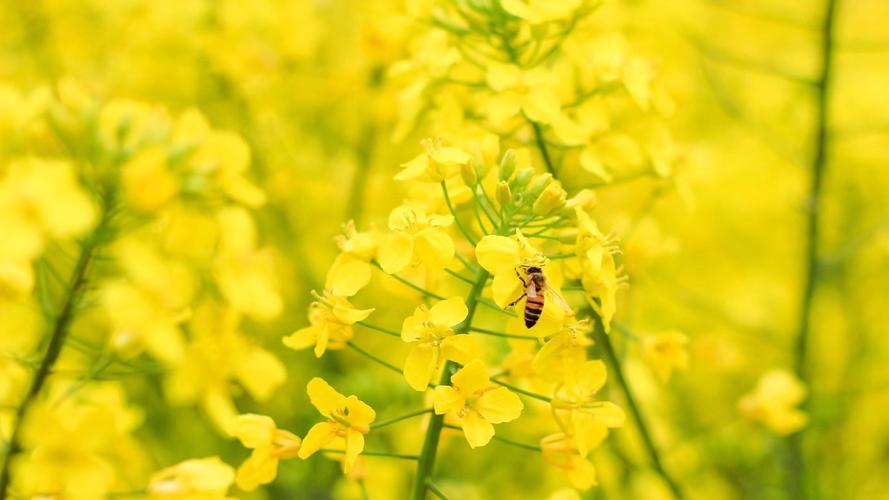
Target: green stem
x,y
797,480
77,285
541,145
374,358
436,490
426,462
384,454
379,329
654,456
517,444
458,276
384,423
495,333
469,238
519,390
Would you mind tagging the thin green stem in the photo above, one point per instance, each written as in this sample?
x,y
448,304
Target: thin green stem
x,y
408,283
797,477
494,307
460,226
384,423
495,333
523,392
518,444
426,461
373,357
458,276
654,456
541,145
74,291
380,329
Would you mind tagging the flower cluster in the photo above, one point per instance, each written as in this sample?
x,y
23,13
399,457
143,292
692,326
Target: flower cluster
x,y
487,223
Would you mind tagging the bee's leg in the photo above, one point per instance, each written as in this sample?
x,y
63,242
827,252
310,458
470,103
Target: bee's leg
x,y
519,276
516,301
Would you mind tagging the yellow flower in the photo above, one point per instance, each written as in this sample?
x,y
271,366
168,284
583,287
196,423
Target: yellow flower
x,y
505,257
347,417
565,351
416,238
773,401
560,450
217,356
665,352
541,11
147,182
432,339
531,92
40,200
436,164
351,270
476,403
599,273
69,441
245,274
269,445
588,419
195,479
330,325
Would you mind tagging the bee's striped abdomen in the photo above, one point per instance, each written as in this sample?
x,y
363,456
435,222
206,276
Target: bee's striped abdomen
x,y
533,310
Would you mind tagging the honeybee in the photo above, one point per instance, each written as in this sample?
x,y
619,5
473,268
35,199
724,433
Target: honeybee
x,y
535,289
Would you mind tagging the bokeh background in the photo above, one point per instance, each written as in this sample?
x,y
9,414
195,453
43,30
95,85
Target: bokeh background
x,y
719,250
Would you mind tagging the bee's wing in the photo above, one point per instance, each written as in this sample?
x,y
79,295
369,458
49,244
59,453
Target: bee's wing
x,y
531,290
559,299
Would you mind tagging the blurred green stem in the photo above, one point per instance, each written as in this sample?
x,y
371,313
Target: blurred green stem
x,y
797,480
77,284
604,341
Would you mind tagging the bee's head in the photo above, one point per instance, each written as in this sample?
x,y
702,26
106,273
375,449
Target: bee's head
x,y
533,269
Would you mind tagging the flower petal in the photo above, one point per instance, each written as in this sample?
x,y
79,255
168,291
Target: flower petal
x,y
477,430
254,430
434,247
449,312
497,254
499,405
420,364
260,468
395,252
461,348
319,435
471,378
446,399
324,397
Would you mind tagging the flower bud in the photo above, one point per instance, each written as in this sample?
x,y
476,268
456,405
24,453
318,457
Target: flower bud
x,y
467,171
504,194
507,164
522,178
538,183
551,199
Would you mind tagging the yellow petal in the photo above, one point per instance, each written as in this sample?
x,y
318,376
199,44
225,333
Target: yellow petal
x,y
254,430
502,76
477,430
420,364
449,312
499,405
542,106
497,254
446,399
260,372
582,473
348,314
413,328
462,348
354,447
303,338
319,436
360,414
347,276
506,287
608,413
395,252
591,376
472,377
324,397
434,247
589,160
260,468
588,431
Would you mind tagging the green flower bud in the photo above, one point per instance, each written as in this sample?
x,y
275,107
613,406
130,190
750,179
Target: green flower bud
x,y
538,183
522,179
507,164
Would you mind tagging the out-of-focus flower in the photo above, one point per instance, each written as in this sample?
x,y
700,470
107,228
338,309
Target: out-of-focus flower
x,y
588,419
540,11
197,478
269,445
560,450
351,270
348,418
773,402
436,164
476,403
665,352
516,90
431,335
599,273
